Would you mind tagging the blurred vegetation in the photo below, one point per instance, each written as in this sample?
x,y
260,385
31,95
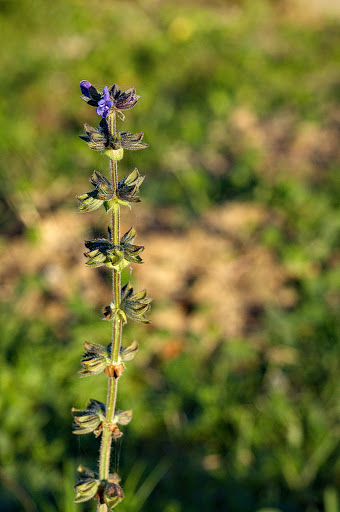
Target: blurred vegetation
x,y
235,389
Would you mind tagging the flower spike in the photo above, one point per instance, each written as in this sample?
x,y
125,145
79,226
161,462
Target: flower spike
x,y
115,252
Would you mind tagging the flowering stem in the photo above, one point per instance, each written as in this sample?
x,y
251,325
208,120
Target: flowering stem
x,y
115,252
105,449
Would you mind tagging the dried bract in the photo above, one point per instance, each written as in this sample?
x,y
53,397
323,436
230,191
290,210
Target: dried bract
x,y
87,485
128,188
102,194
129,352
89,420
95,359
104,252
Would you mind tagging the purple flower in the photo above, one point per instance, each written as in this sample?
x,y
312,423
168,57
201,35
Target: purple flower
x,y
102,101
109,99
90,93
104,104
84,87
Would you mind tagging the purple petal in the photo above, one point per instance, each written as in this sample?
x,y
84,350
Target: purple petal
x,y
106,94
104,104
103,110
84,87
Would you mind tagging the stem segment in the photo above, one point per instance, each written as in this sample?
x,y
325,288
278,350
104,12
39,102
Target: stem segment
x,y
105,448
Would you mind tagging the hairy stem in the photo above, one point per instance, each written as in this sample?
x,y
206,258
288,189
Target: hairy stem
x,y
105,449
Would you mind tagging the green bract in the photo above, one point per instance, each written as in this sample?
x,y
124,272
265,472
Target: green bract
x,y
100,139
128,188
134,306
102,194
95,359
104,252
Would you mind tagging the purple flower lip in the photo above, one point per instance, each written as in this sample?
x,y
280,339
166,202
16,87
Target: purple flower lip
x,y
104,104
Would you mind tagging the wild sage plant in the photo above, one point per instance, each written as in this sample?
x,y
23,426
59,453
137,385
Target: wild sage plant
x,y
115,252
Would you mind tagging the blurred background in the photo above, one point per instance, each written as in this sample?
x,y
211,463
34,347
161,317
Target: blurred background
x,y
234,389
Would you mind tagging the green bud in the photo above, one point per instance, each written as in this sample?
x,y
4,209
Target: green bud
x,y
112,204
103,186
131,252
89,202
